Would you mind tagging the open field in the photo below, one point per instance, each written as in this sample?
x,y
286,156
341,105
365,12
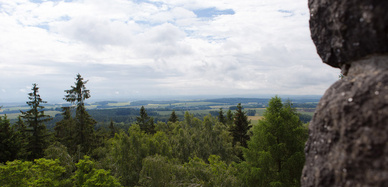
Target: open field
x,y
127,112
255,119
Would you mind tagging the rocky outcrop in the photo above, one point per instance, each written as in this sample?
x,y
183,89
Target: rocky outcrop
x,y
346,30
348,135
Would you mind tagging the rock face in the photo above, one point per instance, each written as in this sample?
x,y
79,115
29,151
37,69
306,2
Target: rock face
x,y
348,135
346,30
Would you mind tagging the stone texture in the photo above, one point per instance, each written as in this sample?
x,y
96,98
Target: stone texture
x,y
347,30
348,136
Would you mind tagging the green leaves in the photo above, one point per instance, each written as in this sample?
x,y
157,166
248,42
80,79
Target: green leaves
x,y
87,175
41,172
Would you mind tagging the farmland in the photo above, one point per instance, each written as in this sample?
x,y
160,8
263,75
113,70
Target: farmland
x,y
126,112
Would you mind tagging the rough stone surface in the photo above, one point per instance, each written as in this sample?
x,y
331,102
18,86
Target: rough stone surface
x,y
348,136
347,30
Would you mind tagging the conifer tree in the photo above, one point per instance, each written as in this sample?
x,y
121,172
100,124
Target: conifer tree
x,y
35,119
173,117
240,127
112,129
275,152
22,138
229,118
8,146
84,128
145,122
221,117
65,130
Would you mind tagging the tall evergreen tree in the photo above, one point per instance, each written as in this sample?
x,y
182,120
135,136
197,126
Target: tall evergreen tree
x,y
173,117
65,130
84,128
35,119
145,122
8,145
240,127
221,117
275,154
22,138
112,129
229,118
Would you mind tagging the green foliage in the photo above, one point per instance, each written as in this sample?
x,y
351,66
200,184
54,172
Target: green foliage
x,y
21,139
65,130
251,112
221,117
87,175
9,146
274,156
240,128
145,122
112,129
156,171
41,172
229,118
35,118
82,127
57,151
173,117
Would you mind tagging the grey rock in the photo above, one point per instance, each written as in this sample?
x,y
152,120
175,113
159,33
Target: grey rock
x,y
348,135
347,30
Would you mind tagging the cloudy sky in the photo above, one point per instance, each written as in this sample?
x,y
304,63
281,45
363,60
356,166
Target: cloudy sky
x,y
140,48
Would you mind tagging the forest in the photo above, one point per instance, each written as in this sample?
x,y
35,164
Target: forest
x,y
221,148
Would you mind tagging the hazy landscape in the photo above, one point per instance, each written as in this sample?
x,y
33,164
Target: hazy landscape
x,y
156,92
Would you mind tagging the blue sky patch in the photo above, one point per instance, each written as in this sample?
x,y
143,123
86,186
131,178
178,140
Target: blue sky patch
x,y
286,13
212,12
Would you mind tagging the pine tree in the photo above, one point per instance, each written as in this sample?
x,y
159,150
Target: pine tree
x,y
221,117
35,119
84,128
145,122
173,117
240,127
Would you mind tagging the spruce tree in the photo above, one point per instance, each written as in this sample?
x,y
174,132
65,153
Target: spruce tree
x,y
145,122
221,117
8,145
65,130
173,117
229,118
84,128
35,119
22,138
240,127
112,129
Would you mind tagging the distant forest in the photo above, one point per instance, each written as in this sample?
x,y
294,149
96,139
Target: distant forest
x,y
209,142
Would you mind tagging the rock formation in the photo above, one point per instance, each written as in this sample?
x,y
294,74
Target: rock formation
x,y
348,135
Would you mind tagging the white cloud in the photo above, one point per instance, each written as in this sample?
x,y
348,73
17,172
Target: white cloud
x,y
161,47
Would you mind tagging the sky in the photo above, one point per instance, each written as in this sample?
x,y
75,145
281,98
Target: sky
x,y
130,49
